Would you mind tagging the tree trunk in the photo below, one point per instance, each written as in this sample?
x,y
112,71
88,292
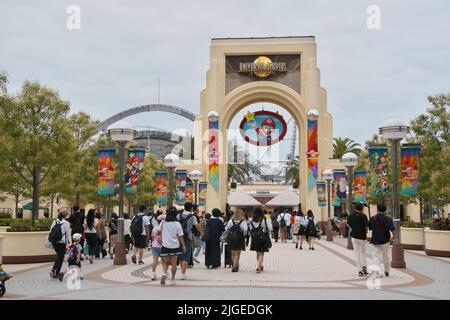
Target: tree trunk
x,y
16,199
36,185
421,209
52,199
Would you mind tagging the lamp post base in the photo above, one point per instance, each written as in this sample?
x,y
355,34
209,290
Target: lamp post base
x,y
349,243
398,257
120,255
329,231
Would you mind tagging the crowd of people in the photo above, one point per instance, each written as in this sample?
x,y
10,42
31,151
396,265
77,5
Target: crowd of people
x,y
177,237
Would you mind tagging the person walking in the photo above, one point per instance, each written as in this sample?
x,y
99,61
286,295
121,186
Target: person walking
x,y
74,256
358,225
90,226
113,227
311,229
284,220
291,228
188,221
299,229
156,245
214,229
228,260
260,228
203,221
382,232
275,225
196,243
173,245
101,236
237,229
59,236
141,234
127,232
76,221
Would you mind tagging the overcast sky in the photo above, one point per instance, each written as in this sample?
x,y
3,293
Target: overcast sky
x,y
113,62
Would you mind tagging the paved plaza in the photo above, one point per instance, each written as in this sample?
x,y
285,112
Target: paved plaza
x,y
326,273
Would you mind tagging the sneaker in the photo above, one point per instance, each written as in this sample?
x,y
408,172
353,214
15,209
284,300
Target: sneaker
x,y
52,274
153,276
386,274
133,259
312,248
196,261
262,268
364,270
361,274
296,245
183,276
301,248
81,278
172,282
141,262
61,276
235,269
163,280
91,260
258,270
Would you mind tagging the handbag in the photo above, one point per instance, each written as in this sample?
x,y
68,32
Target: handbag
x,y
224,236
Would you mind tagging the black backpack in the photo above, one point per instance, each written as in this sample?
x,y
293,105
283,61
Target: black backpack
x,y
184,224
56,233
136,225
283,222
235,234
257,234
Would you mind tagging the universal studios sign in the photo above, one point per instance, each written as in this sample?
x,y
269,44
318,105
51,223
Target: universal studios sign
x,y
262,67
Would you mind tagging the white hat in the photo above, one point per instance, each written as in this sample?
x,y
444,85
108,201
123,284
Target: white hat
x,y
76,237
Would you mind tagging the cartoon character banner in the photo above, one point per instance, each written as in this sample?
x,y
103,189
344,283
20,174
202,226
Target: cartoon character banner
x,y
214,154
409,160
340,187
360,186
161,187
321,193
106,171
202,188
180,186
378,159
263,128
189,192
135,164
313,154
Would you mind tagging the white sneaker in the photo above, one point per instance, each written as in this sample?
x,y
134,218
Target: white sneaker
x,y
153,276
172,282
183,276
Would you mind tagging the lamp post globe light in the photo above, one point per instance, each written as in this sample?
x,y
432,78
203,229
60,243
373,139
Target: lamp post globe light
x,y
213,116
171,161
122,133
395,130
195,176
328,177
349,160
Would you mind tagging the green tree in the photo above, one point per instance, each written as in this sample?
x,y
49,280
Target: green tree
x,y
35,122
343,145
239,170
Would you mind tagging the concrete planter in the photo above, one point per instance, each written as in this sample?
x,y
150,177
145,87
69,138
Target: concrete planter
x,y
412,238
437,243
25,247
3,229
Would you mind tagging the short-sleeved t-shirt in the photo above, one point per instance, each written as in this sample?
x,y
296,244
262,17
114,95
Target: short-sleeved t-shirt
x,y
171,230
358,222
190,223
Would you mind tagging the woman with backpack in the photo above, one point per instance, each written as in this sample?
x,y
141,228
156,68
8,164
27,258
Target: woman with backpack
x,y
299,229
101,236
59,237
311,229
237,229
113,235
260,228
90,226
214,229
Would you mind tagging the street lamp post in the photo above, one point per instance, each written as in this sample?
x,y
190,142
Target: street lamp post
x,y
395,130
349,160
171,161
328,176
122,133
195,176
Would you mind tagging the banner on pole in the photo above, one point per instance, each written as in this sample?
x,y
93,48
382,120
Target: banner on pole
x,y
180,185
378,159
213,154
340,187
135,164
321,193
313,154
106,171
202,188
409,159
161,187
189,192
360,186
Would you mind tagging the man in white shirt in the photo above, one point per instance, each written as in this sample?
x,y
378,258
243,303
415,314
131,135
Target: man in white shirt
x,y
284,220
140,240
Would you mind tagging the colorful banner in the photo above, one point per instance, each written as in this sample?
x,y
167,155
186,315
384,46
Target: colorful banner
x,y
409,160
202,188
161,188
135,164
263,128
189,192
378,159
313,154
106,171
180,186
340,187
321,193
360,186
214,154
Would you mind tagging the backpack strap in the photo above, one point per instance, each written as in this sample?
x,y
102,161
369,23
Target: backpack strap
x,y
379,225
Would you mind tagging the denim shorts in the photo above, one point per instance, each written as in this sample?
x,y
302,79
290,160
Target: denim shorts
x,y
156,252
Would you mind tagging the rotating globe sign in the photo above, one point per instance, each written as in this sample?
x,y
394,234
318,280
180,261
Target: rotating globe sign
x,y
263,128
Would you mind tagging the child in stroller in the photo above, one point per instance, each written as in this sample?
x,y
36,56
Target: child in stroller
x,y
4,276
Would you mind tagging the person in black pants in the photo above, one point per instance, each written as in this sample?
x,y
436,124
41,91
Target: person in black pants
x,y
76,221
60,245
275,225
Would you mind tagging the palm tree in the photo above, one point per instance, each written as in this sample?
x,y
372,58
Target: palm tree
x,y
239,170
292,173
343,145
